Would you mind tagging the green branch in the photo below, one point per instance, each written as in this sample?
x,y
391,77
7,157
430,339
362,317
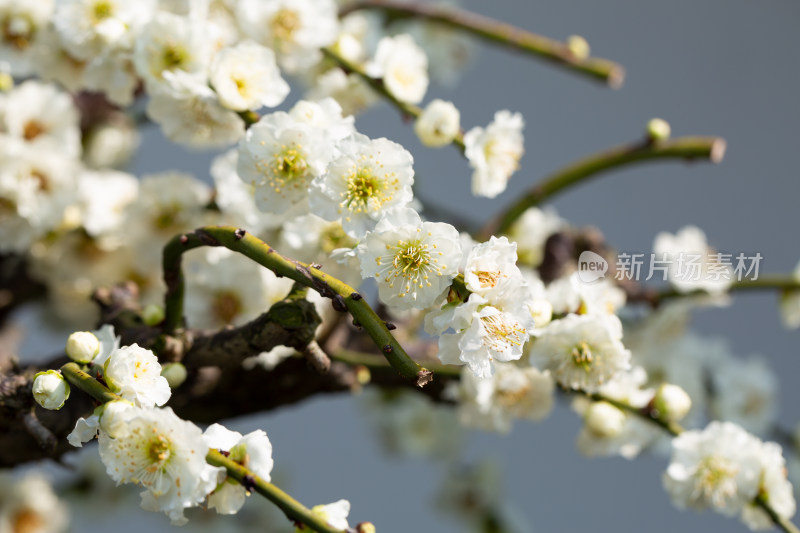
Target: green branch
x,y
343,296
780,282
293,509
500,33
377,85
689,148
80,379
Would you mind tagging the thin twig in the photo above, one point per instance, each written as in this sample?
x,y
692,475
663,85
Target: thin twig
x,y
500,33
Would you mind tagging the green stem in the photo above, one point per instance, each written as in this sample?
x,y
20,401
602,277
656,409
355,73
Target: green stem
x,y
293,509
781,282
344,297
500,33
689,148
371,361
377,85
783,523
80,379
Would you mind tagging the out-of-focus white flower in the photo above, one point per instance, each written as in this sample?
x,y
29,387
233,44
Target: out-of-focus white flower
x,y
774,487
43,117
83,346
23,25
438,124
717,468
335,514
412,261
171,43
349,90
189,113
745,393
494,153
571,295
50,389
246,76
111,144
253,451
114,74
367,179
294,29
582,351
402,66
104,196
604,420
109,342
226,288
134,373
691,264
790,304
162,453
29,504
530,232
511,392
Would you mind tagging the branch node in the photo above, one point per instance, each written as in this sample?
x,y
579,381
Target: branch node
x,y
239,234
356,296
424,377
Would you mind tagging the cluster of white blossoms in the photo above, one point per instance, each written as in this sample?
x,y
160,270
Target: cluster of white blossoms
x,y
726,469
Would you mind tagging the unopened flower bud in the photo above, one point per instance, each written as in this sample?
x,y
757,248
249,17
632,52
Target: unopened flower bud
x,y
604,420
175,374
438,124
541,311
83,346
578,46
50,389
658,129
671,402
365,527
153,314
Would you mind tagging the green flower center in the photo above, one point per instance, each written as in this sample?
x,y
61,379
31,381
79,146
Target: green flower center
x,y
582,356
159,450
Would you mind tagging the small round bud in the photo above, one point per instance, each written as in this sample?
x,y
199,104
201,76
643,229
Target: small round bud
x,y
175,374
153,314
604,420
83,346
50,389
658,129
438,124
578,46
363,375
365,527
671,402
541,311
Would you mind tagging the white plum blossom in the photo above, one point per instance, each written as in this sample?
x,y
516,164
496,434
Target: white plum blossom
x,y
581,351
511,392
189,112
83,346
253,451
439,123
402,66
162,453
103,197
134,373
494,153
367,179
109,343
325,114
335,514
774,487
294,29
23,25
412,261
718,467
246,76
569,294
745,393
349,90
691,264
28,504
50,389
491,267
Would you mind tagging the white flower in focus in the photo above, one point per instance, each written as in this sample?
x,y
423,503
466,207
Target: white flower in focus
x,y
85,430
402,66
438,124
412,261
774,487
745,393
324,114
135,374
485,331
511,392
225,288
42,116
50,389
189,113
278,157
582,351
494,153
162,453
246,76
29,505
717,468
370,177
490,267
253,451
294,29
691,264
171,43
83,346
335,514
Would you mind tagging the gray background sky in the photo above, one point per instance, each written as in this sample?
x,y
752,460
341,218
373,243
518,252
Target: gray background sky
x,y
725,67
